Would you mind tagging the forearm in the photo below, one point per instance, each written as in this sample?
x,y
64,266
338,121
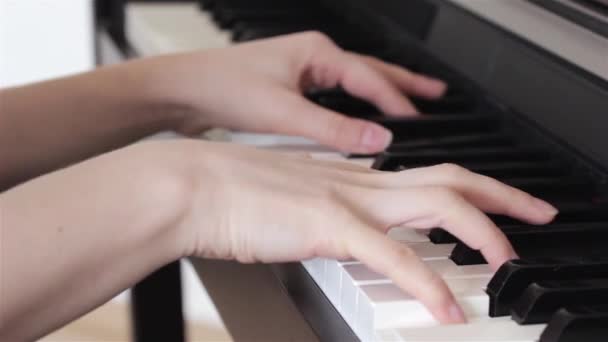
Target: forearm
x,y
73,239
53,124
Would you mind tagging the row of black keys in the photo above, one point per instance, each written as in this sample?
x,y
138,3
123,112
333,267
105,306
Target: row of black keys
x,y
575,304
571,296
250,20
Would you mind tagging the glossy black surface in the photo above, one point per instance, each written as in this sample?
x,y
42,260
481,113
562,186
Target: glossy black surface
x,y
562,240
542,299
578,324
512,279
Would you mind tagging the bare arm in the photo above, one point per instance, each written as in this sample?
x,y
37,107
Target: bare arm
x,y
72,239
53,124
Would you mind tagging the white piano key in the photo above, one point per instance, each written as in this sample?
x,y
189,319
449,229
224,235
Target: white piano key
x,y
385,305
334,268
353,276
407,235
427,250
357,274
155,29
316,269
367,162
447,269
308,265
388,335
363,275
334,156
327,274
333,282
430,251
486,330
262,140
320,270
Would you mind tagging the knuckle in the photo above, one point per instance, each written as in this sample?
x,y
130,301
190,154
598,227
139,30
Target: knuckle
x,y
452,171
316,38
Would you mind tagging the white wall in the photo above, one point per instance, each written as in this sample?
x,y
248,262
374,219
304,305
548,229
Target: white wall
x,y
41,39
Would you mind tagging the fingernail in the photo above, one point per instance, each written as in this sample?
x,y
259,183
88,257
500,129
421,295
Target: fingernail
x,y
545,207
456,314
376,137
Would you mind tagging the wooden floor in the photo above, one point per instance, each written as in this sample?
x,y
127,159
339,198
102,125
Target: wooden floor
x,y
111,323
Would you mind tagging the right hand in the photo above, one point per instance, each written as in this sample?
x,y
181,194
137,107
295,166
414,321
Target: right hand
x,y
258,206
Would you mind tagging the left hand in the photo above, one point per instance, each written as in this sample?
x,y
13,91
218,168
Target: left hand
x,y
258,87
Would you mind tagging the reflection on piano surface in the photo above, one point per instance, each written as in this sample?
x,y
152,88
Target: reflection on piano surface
x,y
515,111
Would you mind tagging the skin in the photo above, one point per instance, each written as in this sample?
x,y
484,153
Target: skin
x,y
88,214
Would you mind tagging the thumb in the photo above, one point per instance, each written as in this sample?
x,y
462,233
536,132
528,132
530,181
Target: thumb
x,y
334,129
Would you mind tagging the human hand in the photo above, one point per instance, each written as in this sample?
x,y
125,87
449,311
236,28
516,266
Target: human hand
x,y
258,87
257,206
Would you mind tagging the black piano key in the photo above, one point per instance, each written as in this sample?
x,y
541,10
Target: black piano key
x,y
554,187
455,141
440,236
515,169
513,277
542,299
226,17
567,240
502,169
439,125
569,212
269,31
207,4
389,161
451,104
246,30
348,106
582,209
578,324
464,255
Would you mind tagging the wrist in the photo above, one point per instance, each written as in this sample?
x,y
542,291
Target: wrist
x,y
166,85
141,89
183,187
160,194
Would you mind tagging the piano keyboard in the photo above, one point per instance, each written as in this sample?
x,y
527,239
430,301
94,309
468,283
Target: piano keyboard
x,y
462,128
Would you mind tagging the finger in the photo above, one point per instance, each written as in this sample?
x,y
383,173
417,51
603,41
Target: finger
x,y
331,128
406,270
335,67
409,82
433,206
484,192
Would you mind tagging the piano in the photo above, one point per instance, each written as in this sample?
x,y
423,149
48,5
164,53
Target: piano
x,y
527,104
